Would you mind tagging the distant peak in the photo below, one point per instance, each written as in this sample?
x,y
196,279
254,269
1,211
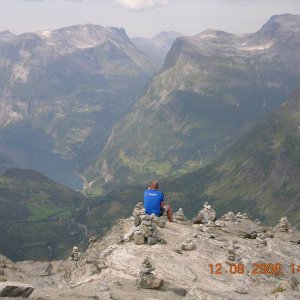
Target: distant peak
x,y
120,31
284,17
214,34
282,21
6,34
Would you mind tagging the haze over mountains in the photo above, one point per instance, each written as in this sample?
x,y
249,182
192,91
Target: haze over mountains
x,y
158,46
211,89
62,91
85,104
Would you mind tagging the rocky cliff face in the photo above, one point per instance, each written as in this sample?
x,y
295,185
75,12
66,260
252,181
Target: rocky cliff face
x,y
232,257
62,91
212,87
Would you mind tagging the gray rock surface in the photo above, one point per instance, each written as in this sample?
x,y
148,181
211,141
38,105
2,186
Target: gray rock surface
x,y
15,289
110,270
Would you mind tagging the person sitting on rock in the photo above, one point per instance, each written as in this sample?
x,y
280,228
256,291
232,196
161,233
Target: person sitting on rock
x,y
154,202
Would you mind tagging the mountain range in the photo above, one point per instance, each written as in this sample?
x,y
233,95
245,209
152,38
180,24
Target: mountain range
x,y
215,124
61,93
212,89
259,174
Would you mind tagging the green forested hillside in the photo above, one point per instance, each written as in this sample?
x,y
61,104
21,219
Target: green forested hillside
x,y
213,87
41,219
36,213
62,91
260,174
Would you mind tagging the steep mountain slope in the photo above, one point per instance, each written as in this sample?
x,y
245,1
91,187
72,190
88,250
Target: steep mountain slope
x,y
259,174
158,46
212,88
36,216
62,91
41,219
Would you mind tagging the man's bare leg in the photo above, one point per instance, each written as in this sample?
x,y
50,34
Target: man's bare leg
x,y
168,209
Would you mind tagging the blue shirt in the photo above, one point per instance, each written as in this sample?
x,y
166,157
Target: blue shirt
x,y
152,201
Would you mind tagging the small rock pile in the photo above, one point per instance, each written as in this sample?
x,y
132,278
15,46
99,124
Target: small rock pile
x,y
139,210
146,232
92,241
179,216
75,255
188,245
159,221
139,214
261,240
231,258
241,216
145,227
206,214
233,218
146,279
284,225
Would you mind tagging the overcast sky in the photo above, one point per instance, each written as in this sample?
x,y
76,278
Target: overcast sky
x,y
143,17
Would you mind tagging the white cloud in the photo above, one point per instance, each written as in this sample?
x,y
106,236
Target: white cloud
x,y
142,4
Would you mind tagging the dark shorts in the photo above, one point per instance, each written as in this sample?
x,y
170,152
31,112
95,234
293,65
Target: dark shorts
x,y
164,210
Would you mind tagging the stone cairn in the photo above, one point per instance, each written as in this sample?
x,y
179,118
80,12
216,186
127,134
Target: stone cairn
x,y
179,216
284,225
188,245
145,230
241,216
233,218
138,213
205,215
261,240
75,255
231,258
146,279
92,241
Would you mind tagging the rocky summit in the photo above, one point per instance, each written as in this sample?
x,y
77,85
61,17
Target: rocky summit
x,y
231,257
